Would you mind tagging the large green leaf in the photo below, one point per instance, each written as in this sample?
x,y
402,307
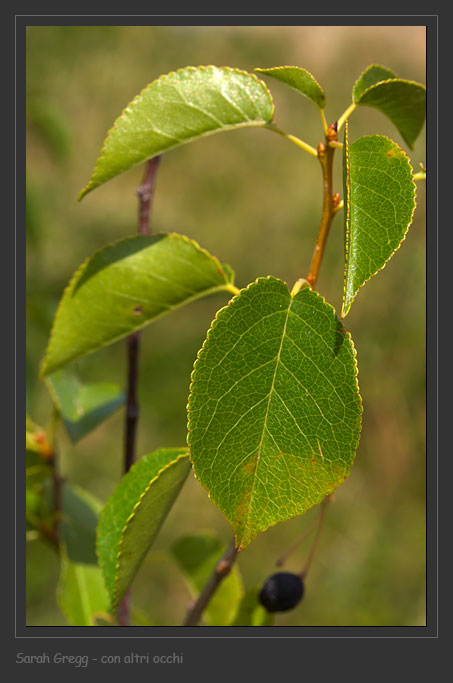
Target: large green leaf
x,y
379,193
197,557
274,407
126,286
81,592
177,108
82,406
134,514
404,102
299,79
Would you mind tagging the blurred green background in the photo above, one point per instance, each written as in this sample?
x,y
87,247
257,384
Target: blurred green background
x,y
253,200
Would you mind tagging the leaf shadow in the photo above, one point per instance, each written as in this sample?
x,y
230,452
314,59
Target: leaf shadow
x,y
339,338
113,254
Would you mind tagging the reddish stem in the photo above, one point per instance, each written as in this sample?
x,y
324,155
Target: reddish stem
x,y
330,202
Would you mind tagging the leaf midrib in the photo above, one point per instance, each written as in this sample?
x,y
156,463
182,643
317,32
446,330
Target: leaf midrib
x,y
271,391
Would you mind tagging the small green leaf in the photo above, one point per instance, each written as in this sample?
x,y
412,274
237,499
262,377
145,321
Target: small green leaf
x,y
82,406
134,514
379,193
38,485
36,468
251,612
197,557
373,74
177,108
299,79
404,102
274,408
81,592
126,286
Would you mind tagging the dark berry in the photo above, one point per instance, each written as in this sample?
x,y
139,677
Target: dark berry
x,y
281,592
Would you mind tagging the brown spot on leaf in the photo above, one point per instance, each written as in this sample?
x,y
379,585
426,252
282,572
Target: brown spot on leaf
x,y
137,310
250,465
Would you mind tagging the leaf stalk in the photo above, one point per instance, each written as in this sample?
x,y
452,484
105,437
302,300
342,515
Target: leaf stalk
x,y
345,115
292,138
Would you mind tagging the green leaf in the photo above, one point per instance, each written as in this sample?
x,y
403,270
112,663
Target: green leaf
x,y
38,485
36,468
197,557
82,406
126,286
379,193
373,74
81,591
274,408
177,108
251,612
404,102
299,79
134,514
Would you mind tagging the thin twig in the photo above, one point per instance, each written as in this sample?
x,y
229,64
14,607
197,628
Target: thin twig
x,y
132,409
314,546
222,570
300,539
145,196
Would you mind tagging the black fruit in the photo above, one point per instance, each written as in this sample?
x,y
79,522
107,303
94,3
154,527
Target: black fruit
x,y
281,592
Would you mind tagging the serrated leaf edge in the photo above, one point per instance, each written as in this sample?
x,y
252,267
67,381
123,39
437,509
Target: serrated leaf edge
x,y
370,66
379,84
265,71
43,373
347,215
388,80
192,378
345,310
91,185
115,598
